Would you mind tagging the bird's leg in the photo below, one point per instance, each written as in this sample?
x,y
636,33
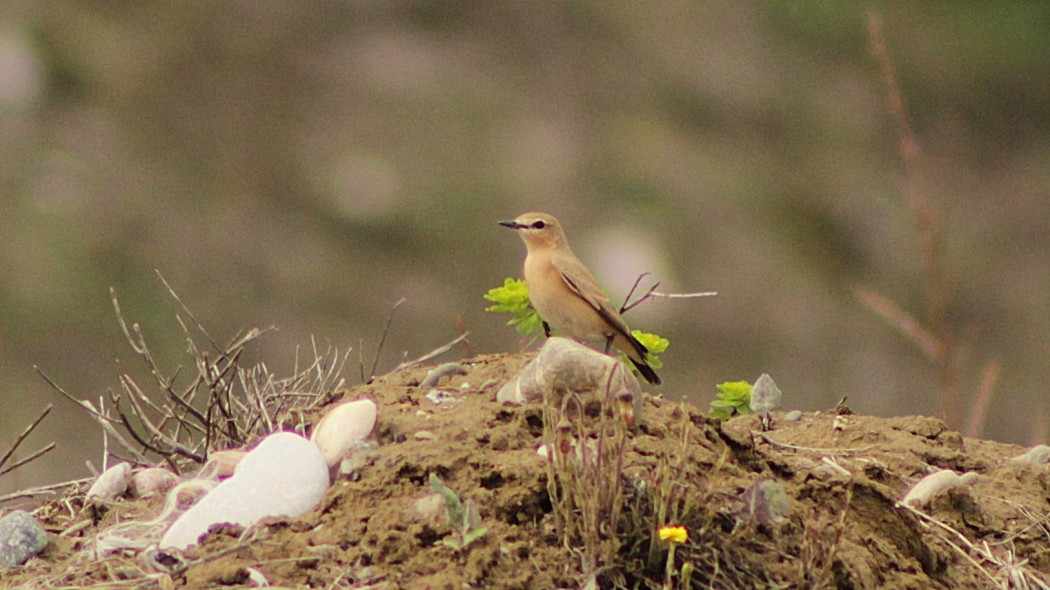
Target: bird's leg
x,y
547,329
608,342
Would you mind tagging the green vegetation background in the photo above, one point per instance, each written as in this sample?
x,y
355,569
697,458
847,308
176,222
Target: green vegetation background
x,y
305,165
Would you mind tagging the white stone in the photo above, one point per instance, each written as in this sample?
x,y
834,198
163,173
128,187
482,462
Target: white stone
x,y
286,475
112,483
1038,455
343,428
152,481
931,485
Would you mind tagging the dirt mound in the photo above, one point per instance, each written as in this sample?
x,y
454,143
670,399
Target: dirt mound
x,y
840,526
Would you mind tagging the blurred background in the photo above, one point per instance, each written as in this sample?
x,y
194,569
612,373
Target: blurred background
x,y
306,165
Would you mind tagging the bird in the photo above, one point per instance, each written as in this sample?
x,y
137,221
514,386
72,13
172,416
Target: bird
x,y
567,296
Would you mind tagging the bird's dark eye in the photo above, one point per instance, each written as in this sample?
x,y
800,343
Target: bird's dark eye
x,y
538,225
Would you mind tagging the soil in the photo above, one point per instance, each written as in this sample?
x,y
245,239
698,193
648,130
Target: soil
x,y
841,528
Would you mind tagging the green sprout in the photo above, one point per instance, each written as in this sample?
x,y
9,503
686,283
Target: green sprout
x,y
734,398
464,518
654,343
513,297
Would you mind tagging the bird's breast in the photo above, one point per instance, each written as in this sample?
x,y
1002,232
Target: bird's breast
x,y
559,305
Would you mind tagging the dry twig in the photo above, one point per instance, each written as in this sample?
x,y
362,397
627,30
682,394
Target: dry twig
x,y
18,442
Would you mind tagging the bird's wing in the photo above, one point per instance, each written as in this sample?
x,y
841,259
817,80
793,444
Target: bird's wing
x,y
582,283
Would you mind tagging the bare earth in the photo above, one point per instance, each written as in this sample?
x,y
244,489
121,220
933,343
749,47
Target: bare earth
x,y
843,475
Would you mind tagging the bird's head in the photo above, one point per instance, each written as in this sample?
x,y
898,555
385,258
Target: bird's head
x,y
538,230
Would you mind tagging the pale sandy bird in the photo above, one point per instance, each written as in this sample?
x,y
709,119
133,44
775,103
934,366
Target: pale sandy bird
x,y
567,296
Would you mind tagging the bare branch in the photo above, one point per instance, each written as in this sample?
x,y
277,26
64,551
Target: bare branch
x,y
86,405
904,323
628,305
433,353
648,294
36,455
983,398
684,295
189,313
630,293
21,437
47,489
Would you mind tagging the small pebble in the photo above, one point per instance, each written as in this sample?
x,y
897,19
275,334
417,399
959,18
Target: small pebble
x,y
793,416
21,537
357,461
440,397
190,492
343,428
424,435
152,481
435,375
429,507
928,487
112,483
222,464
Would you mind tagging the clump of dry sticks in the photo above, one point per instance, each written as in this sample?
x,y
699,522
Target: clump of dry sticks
x,y
215,403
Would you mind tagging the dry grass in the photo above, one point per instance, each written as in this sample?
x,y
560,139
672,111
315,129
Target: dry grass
x,y
999,564
586,442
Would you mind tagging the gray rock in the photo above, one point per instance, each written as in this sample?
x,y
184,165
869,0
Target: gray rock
x,y
563,366
21,537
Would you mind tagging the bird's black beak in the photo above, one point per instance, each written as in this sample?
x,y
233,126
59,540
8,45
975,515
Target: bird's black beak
x,y
511,224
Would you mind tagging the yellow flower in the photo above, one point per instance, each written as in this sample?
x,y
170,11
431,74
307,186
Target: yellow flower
x,y
674,534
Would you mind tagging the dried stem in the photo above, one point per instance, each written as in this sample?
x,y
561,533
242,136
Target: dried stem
x,y
584,461
935,334
382,339
1019,573
35,455
21,438
931,347
433,353
628,305
983,399
103,419
47,489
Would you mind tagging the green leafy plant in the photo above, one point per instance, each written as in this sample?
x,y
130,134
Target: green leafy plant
x,y
464,518
513,297
656,345
765,397
734,397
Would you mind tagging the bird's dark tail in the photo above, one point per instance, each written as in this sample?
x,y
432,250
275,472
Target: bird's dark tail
x,y
646,371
